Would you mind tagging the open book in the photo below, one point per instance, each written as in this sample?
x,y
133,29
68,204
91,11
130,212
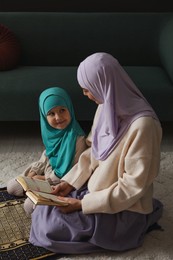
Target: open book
x,y
39,191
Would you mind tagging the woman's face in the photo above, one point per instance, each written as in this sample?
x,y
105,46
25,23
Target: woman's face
x,y
59,117
87,93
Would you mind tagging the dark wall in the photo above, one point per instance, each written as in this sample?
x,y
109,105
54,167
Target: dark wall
x,y
86,5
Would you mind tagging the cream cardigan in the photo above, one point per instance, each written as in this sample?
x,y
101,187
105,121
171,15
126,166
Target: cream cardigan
x,y
124,181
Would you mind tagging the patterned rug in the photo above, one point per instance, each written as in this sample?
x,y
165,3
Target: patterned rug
x,y
14,231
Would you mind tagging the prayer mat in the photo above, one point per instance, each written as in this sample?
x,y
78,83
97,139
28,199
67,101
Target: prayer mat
x,y
14,231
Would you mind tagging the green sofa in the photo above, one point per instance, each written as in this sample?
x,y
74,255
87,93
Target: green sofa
x,y
53,44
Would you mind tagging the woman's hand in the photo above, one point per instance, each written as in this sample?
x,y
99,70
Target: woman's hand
x,y
74,205
62,189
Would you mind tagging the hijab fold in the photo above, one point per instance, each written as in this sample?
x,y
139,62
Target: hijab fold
x,y
121,100
60,145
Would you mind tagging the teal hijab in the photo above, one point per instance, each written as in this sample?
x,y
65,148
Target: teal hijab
x,y
60,145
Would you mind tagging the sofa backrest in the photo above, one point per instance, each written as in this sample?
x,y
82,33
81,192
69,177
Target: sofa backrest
x,y
64,39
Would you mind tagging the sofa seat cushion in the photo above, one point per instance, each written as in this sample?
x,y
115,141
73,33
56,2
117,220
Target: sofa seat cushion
x,y
21,87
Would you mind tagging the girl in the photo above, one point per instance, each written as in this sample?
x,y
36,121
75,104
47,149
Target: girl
x,y
63,139
110,189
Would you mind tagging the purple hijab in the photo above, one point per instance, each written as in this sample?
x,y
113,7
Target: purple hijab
x,y
122,102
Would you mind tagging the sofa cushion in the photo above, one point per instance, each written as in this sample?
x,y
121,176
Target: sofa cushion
x,y
20,89
31,80
9,49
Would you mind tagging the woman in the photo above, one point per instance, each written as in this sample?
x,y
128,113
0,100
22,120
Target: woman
x,y
110,189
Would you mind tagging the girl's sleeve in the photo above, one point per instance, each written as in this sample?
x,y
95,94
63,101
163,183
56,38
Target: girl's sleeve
x,y
37,166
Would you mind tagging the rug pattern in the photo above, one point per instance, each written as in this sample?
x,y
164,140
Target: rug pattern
x,y
14,230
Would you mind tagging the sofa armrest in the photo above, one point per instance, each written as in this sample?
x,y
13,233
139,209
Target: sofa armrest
x,y
166,48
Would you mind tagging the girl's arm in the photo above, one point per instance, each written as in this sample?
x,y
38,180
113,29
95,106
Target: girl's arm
x,y
36,168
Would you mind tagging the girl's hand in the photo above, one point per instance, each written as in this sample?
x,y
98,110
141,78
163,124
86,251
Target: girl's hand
x,y
74,205
31,174
62,189
39,177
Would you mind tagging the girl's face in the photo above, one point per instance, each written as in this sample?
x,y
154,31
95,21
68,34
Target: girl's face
x,y
87,93
59,117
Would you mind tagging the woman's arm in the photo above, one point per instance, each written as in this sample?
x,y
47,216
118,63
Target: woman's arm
x,y
81,146
80,172
124,180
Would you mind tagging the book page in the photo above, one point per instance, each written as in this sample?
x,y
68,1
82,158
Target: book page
x,y
37,185
51,197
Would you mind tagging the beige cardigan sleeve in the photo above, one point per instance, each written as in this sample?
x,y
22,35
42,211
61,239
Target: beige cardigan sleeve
x,y
81,172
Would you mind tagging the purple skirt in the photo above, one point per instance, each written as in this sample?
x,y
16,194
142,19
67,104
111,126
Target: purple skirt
x,y
76,233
